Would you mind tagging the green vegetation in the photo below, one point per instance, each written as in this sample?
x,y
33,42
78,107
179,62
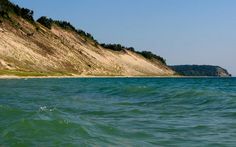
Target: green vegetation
x,y
4,8
145,54
48,22
3,14
116,47
200,70
69,26
7,7
26,14
150,55
27,73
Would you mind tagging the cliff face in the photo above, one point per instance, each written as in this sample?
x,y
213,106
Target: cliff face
x,y
201,70
31,47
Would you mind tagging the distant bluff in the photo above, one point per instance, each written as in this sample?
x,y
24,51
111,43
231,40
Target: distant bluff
x,y
200,70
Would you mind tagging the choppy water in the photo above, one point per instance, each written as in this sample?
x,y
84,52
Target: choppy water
x,y
118,112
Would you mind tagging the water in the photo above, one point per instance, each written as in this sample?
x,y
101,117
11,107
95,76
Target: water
x,y
118,112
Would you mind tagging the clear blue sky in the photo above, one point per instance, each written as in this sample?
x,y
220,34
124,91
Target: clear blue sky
x,y
182,31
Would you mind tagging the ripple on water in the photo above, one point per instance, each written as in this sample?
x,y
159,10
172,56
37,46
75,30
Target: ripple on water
x,y
118,112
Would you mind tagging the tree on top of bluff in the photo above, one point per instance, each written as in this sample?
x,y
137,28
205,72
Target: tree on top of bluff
x,y
47,22
7,7
117,47
27,14
146,54
150,55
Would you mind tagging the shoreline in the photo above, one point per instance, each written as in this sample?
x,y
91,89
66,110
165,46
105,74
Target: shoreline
x,y
85,76
82,76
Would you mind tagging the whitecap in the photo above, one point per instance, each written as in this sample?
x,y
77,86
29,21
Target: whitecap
x,y
43,108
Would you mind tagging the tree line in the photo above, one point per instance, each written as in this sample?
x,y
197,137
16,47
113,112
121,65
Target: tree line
x,y
7,7
48,22
145,54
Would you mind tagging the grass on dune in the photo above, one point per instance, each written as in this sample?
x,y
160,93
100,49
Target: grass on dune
x,y
26,73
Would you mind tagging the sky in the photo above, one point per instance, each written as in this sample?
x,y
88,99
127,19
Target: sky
x,y
181,31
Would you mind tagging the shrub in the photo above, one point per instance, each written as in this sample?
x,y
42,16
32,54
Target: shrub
x,y
67,25
131,49
4,14
145,54
47,22
150,55
7,7
114,47
27,14
64,25
4,8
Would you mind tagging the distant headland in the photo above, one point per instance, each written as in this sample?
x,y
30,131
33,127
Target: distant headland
x,y
201,70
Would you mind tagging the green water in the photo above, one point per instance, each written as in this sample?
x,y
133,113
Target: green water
x,y
118,112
